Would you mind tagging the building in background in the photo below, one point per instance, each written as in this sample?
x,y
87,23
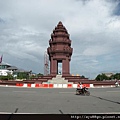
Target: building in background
x,y
7,69
4,69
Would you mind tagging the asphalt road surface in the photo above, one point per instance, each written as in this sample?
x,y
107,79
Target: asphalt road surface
x,y
58,101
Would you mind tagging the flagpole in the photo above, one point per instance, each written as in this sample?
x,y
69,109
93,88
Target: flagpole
x,y
1,59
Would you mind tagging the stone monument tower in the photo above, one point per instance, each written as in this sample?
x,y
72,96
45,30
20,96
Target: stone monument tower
x,y
60,50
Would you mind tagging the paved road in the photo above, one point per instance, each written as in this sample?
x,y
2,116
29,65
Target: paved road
x,y
32,100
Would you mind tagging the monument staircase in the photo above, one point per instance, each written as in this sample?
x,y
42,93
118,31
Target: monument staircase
x,y
58,80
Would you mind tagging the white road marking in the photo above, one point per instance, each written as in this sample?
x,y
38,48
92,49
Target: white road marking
x,y
26,91
66,92
112,91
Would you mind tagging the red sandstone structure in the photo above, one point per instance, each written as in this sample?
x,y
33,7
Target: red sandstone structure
x,y
60,50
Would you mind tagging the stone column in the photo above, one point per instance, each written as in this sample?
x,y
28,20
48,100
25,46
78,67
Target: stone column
x,y
50,66
53,67
65,67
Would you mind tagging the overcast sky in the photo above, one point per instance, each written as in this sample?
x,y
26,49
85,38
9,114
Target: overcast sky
x,y
93,25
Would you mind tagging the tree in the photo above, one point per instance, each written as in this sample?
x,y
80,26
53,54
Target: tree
x,y
22,75
8,77
39,74
83,76
101,77
98,78
116,76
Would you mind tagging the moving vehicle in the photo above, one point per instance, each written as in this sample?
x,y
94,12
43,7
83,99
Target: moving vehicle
x,y
116,84
83,91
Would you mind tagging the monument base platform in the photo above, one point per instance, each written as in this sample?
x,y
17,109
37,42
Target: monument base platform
x,y
58,79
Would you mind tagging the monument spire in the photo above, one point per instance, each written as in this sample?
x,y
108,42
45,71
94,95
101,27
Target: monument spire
x,y
60,23
60,50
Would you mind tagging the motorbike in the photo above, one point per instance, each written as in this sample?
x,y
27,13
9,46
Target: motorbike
x,y
116,84
83,91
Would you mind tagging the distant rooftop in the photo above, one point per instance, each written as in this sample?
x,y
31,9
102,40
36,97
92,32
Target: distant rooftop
x,y
12,68
21,70
5,64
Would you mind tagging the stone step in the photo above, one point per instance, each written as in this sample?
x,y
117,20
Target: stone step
x,y
57,83
58,80
58,76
